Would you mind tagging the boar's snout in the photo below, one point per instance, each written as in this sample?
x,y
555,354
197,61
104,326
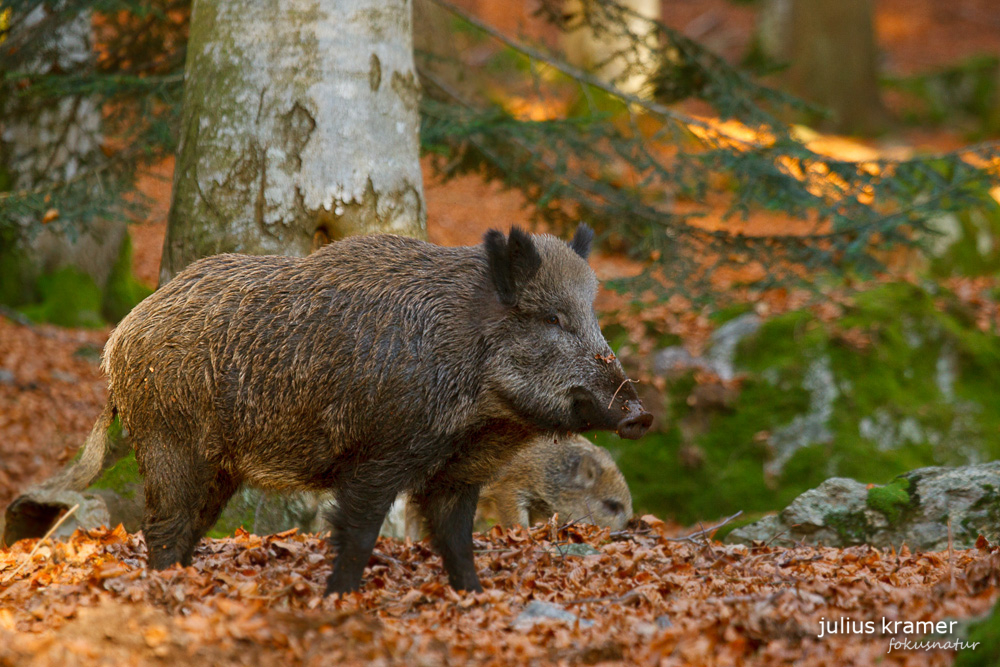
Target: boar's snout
x,y
636,421
589,412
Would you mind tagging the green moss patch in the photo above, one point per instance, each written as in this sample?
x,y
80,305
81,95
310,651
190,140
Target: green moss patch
x,y
851,527
123,291
920,390
68,297
890,499
987,634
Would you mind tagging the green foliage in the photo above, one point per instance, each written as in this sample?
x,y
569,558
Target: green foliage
x,y
136,83
617,160
122,291
890,499
921,393
16,284
69,298
987,634
620,167
963,94
972,240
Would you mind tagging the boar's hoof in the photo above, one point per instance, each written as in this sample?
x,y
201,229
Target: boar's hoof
x,y
341,586
465,582
635,423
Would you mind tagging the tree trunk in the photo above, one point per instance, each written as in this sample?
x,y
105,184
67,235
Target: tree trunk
x,y
832,56
590,50
43,143
300,126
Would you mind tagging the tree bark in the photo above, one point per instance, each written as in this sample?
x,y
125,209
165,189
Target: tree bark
x,y
300,125
589,50
832,56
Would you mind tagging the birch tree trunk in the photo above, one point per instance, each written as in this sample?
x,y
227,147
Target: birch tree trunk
x,y
300,125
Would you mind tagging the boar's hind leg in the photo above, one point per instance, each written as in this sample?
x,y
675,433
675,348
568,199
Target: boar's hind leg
x,y
183,500
450,511
363,500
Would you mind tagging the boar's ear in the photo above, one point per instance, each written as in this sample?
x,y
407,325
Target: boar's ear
x,y
581,240
514,260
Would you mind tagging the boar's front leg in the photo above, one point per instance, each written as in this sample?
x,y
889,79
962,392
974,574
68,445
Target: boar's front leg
x,y
449,510
363,500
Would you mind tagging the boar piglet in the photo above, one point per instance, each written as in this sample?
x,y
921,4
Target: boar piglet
x,y
376,365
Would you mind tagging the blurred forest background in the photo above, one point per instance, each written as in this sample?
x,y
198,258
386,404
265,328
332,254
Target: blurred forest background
x,y
796,205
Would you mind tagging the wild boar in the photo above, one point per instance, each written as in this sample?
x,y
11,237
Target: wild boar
x,y
568,476
565,475
376,365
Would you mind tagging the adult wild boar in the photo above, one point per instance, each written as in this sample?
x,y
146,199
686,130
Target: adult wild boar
x,y
376,365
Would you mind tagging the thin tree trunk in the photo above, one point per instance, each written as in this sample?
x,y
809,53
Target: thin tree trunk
x,y
300,125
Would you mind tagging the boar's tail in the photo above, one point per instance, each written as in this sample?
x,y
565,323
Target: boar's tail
x,y
33,512
101,450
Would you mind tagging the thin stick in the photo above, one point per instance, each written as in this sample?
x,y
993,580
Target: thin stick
x,y
618,390
39,544
705,531
951,556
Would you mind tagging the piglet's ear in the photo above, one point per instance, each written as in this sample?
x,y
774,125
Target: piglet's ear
x,y
586,470
581,240
513,261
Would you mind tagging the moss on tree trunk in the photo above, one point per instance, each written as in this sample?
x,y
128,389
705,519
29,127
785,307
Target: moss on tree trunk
x,y
300,126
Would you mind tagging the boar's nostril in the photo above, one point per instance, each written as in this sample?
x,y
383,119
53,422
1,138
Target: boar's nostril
x,y
635,425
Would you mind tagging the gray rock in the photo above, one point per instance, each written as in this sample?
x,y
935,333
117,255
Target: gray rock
x,y
841,512
6,376
838,494
538,612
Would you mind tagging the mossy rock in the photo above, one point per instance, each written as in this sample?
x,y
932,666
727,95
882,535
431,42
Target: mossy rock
x,y
69,297
814,404
930,509
891,500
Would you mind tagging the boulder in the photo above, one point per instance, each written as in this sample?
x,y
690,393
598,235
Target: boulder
x,y
914,509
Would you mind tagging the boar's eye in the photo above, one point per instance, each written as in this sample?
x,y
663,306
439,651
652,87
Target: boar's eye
x,y
553,319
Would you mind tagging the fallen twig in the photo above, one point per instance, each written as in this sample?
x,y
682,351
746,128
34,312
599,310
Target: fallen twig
x,y
694,537
47,535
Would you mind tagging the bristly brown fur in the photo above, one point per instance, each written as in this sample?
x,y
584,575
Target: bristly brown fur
x,y
377,365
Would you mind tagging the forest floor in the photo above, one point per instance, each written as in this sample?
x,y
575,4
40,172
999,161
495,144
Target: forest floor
x,y
635,597
651,596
